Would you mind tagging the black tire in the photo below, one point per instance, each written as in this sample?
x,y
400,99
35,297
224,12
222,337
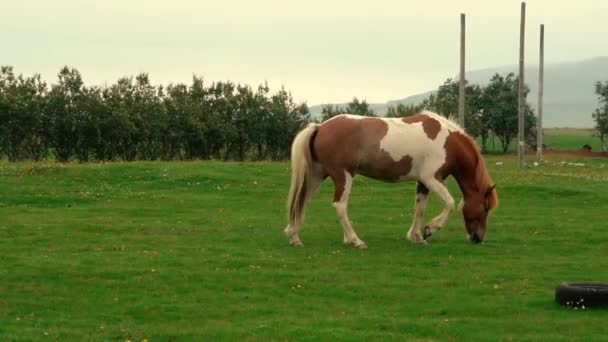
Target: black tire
x,y
582,294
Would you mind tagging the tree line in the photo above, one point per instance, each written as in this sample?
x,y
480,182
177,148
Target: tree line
x,y
135,120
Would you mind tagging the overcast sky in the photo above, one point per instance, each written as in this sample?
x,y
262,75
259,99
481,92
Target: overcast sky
x,y
320,50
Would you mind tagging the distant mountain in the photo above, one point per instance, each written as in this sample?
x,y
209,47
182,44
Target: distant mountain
x,y
569,97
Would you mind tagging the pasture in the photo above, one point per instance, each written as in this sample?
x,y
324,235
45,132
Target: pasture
x,y
174,251
564,138
556,139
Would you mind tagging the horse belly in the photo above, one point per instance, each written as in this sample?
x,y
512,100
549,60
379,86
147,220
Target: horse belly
x,y
382,166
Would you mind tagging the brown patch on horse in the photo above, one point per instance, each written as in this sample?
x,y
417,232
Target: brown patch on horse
x,y
376,162
464,161
393,171
430,125
421,189
455,153
353,145
332,143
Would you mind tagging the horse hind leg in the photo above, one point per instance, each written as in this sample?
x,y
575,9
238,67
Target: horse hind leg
x,y
343,184
311,185
413,234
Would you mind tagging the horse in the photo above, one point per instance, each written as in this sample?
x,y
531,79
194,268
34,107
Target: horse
x,y
425,147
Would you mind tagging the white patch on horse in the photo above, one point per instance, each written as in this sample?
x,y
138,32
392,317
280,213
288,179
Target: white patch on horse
x,y
350,236
414,233
409,139
443,193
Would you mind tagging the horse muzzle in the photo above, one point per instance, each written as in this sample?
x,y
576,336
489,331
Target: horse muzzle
x,y
475,238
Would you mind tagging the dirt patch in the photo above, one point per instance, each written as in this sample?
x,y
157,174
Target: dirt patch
x,y
583,153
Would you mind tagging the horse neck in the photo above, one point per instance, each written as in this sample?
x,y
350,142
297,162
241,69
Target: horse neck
x,y
466,175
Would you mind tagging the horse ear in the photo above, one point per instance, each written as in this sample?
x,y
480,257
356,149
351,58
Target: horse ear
x,y
491,198
490,189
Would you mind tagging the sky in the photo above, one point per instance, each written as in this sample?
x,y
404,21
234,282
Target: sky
x,y
323,51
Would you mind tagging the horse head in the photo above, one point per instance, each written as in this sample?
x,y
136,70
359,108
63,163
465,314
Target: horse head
x,y
475,209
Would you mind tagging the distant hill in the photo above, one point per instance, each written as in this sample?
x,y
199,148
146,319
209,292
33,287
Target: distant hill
x,y
569,97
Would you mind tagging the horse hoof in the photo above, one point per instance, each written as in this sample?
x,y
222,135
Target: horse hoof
x,y
296,243
417,239
426,233
360,245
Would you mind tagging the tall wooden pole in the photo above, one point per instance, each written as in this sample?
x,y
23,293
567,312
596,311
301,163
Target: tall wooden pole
x,y
462,85
541,78
521,146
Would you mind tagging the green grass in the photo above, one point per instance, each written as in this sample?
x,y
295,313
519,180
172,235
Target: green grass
x,y
564,139
195,251
557,139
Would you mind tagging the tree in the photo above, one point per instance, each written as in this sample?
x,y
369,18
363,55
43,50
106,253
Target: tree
x,y
445,102
359,108
119,131
244,117
499,107
184,136
328,111
403,110
65,113
22,111
356,107
205,125
601,113
147,113
259,121
286,119
88,118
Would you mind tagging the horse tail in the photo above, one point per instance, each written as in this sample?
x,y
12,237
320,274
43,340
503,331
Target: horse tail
x,y
301,173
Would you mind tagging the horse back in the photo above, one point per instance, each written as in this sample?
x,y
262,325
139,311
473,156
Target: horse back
x,y
389,149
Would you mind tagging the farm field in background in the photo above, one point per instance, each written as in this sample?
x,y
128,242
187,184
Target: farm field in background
x,y
558,139
195,251
571,138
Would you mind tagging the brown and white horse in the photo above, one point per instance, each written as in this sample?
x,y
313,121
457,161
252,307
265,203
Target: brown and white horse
x,y
425,148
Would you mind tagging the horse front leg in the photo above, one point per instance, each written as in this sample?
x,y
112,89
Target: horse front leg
x,y
413,234
437,222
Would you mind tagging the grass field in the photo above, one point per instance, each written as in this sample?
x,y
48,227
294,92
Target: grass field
x,y
557,139
195,251
561,138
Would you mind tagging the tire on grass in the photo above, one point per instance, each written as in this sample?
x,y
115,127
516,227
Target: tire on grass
x,y
579,294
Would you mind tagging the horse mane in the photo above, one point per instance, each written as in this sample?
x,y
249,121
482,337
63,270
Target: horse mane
x,y
482,177
484,182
